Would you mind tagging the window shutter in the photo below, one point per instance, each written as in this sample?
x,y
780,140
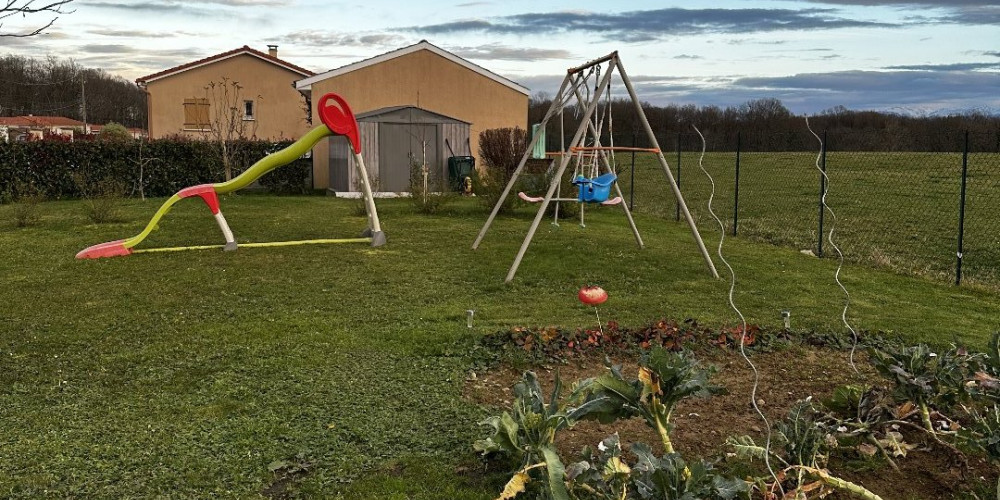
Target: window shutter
x,y
196,114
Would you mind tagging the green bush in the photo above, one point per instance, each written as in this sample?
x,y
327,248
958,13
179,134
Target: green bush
x,y
52,167
114,132
25,205
432,197
104,198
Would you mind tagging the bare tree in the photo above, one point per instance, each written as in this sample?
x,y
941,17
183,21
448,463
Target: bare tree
x,y
228,121
23,8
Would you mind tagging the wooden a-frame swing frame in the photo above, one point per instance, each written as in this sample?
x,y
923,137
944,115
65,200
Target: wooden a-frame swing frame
x,y
574,78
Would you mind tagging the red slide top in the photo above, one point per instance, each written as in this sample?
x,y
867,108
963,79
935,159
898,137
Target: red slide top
x,y
340,120
206,192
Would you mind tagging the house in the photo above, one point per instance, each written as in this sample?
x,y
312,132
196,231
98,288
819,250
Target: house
x,y
443,92
30,127
244,89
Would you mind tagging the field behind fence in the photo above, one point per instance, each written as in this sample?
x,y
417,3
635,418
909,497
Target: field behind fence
x,y
901,210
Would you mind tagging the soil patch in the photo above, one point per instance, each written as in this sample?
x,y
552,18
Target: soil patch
x,y
701,426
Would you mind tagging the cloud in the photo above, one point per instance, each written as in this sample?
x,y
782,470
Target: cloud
x,y
473,4
948,67
648,25
918,91
154,7
326,39
906,3
506,53
971,12
688,56
95,48
138,33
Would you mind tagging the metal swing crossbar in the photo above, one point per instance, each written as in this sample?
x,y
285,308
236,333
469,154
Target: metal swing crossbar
x,y
337,120
626,149
569,89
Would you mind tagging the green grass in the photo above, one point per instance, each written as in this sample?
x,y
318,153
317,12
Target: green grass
x,y
898,211
192,374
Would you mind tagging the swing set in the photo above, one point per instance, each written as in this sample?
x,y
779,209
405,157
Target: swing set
x,y
593,163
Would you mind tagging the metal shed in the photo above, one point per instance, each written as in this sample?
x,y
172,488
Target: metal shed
x,y
393,139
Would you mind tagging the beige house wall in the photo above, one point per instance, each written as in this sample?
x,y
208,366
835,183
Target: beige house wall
x,y
279,109
429,81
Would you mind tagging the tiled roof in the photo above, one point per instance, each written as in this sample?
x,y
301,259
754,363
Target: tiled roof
x,y
39,121
225,55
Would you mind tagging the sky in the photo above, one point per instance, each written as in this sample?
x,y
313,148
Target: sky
x,y
916,57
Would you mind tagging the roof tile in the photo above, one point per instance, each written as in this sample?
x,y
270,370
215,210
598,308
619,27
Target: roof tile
x,y
244,49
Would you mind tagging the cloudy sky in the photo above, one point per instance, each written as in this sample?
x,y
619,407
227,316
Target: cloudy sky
x,y
908,56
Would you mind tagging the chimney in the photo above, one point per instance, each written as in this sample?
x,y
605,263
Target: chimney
x,y
272,50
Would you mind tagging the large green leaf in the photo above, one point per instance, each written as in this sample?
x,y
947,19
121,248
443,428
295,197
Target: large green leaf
x,y
556,472
727,488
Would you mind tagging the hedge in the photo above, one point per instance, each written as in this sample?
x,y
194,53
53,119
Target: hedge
x,y
54,169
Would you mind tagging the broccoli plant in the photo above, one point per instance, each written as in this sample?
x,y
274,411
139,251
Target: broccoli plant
x,y
665,378
605,475
925,378
806,446
529,432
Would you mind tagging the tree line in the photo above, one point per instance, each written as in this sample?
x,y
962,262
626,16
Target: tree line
x,y
767,125
58,87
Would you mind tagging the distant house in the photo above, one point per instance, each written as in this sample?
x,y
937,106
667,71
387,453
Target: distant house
x,y
30,127
442,93
181,100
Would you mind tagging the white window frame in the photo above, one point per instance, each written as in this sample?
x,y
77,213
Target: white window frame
x,y
249,117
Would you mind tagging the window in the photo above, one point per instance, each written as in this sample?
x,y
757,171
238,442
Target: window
x,y
196,114
248,110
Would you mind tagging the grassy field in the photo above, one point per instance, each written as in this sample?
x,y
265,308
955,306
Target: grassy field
x,y
336,371
894,210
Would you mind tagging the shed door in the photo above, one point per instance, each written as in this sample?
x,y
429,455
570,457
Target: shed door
x,y
339,164
400,145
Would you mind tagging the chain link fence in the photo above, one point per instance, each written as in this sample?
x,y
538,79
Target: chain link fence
x,y
901,210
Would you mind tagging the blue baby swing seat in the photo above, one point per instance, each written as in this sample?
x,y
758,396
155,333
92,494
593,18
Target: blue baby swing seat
x,y
594,190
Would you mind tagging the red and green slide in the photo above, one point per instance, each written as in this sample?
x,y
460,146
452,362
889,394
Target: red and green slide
x,y
337,119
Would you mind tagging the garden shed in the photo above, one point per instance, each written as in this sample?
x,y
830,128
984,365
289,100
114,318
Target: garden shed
x,y
392,140
424,76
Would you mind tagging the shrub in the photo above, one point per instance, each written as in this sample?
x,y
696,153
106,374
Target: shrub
x,y
359,207
26,203
114,132
103,198
501,150
428,194
52,166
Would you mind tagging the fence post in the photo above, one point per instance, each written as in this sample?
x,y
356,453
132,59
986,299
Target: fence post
x,y
822,192
961,210
677,216
631,182
736,190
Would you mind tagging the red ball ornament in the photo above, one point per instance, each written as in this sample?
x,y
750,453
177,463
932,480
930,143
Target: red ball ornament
x,y
592,295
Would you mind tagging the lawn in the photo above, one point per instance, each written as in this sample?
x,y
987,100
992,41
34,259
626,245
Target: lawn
x,y
337,370
899,211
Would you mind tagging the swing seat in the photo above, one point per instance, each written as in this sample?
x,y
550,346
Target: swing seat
x,y
594,190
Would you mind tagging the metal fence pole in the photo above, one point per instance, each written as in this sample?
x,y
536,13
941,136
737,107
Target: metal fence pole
x,y
677,216
822,191
736,190
631,189
961,210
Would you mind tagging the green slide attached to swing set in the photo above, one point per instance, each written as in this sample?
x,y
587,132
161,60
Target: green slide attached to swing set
x,y
337,120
